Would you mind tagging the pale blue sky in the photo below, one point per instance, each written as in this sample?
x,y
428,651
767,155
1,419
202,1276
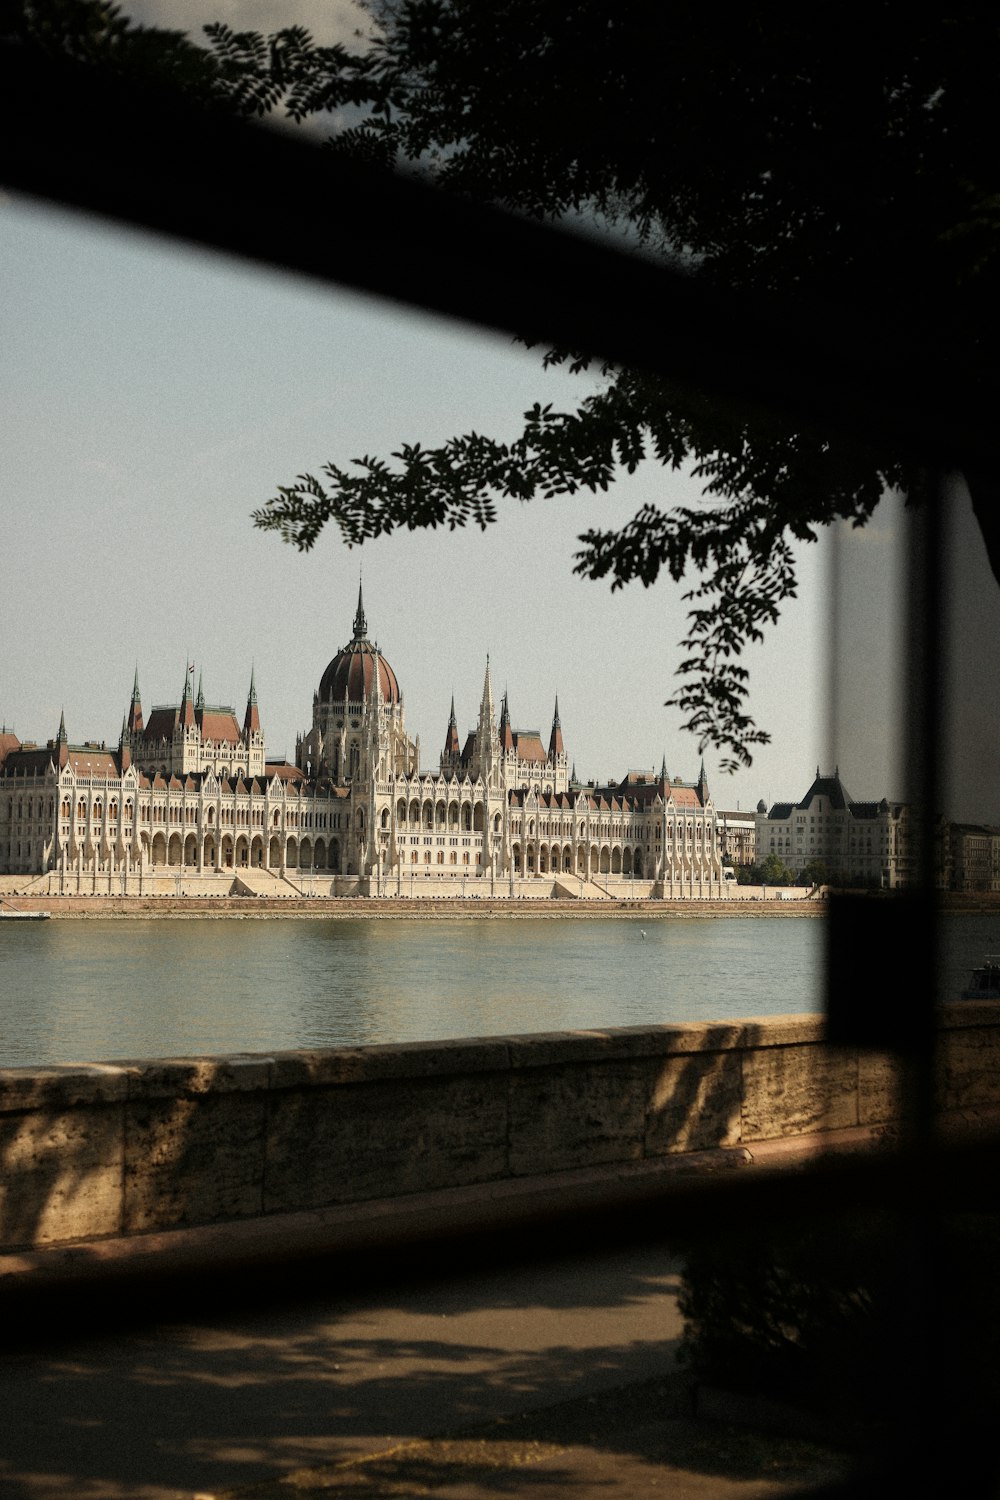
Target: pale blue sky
x,y
155,395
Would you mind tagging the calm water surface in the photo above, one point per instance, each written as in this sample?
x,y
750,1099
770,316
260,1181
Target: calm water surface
x,y
95,990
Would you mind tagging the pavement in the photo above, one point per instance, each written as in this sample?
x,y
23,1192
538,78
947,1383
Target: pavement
x,y
551,1379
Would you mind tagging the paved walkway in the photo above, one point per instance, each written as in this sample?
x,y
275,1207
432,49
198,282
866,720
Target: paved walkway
x,y
551,1380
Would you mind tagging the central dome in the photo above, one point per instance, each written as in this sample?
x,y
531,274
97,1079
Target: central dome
x,y
352,670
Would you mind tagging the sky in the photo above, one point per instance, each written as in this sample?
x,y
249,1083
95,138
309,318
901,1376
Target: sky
x,y
155,395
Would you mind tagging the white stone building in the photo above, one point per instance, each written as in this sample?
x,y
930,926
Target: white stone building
x,y
857,841
188,802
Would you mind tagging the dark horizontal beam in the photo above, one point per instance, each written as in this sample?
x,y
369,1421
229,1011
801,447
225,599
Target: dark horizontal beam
x,y
101,143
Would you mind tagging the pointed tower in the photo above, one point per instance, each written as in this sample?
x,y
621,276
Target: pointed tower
x,y
199,702
360,623
556,746
134,717
376,739
186,747
187,702
557,753
702,784
487,740
506,733
62,742
252,736
451,755
124,748
251,719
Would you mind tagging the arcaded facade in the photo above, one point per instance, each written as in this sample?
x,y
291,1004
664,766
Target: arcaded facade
x,y
188,796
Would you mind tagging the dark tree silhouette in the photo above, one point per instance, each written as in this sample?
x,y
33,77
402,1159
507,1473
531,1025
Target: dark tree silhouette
x,y
834,159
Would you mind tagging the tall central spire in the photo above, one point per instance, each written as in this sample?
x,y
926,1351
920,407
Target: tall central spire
x,y
360,623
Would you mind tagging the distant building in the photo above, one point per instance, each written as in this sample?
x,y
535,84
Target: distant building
x,y
189,797
974,863
738,838
866,842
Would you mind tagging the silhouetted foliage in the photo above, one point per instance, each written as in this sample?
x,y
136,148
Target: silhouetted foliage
x,y
764,152
819,1317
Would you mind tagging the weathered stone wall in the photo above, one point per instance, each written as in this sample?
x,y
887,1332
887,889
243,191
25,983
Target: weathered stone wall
x,y
124,1149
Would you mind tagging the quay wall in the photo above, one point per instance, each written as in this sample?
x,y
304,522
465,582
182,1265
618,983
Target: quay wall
x,y
130,1149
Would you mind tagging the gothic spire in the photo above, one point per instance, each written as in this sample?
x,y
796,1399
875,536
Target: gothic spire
x,y
556,746
360,623
135,707
199,701
486,704
62,737
506,733
187,704
451,745
124,751
251,719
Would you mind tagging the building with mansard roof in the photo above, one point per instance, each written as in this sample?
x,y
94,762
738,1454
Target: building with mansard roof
x,y
867,842
188,802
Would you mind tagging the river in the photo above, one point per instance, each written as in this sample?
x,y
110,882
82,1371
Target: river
x,y
101,989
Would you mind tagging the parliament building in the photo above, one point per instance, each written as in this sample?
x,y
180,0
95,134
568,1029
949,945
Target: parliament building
x,y
188,803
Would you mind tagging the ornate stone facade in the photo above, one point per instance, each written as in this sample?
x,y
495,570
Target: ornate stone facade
x,y
866,842
188,796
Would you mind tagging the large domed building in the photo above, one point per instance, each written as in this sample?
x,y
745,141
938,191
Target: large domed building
x,y
188,802
357,677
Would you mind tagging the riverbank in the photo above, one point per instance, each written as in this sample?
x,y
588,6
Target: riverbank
x,y
372,908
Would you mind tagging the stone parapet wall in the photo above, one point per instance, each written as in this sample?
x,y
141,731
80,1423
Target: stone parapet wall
x,y
134,1148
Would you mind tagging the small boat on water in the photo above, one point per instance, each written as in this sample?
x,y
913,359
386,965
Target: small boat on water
x,y
985,981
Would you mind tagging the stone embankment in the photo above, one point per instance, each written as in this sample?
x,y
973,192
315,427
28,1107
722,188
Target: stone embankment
x,y
388,908
249,1155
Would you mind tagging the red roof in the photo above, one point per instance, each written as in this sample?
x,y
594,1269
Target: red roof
x,y
219,726
161,724
528,746
283,771
683,796
94,763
